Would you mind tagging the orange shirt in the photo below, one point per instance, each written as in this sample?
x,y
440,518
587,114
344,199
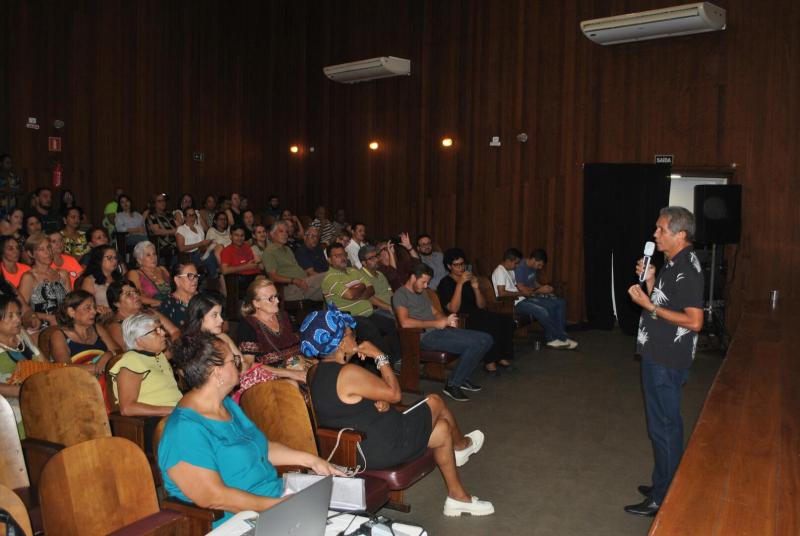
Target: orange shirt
x,y
15,278
71,265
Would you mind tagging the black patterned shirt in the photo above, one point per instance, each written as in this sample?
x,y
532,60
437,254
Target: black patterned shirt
x,y
678,285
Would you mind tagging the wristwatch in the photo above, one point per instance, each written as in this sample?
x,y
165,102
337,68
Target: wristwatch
x,y
380,361
654,312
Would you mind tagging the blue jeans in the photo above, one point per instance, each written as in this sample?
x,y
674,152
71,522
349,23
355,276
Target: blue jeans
x,y
662,401
468,344
552,322
210,264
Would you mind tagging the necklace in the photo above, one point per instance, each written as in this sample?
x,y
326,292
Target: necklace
x,y
18,348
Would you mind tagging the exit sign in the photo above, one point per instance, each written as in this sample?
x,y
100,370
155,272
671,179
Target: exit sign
x,y
665,159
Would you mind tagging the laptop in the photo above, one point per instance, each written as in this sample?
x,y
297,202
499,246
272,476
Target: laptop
x,y
303,514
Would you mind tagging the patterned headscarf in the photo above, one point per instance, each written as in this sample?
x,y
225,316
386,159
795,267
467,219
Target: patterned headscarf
x,y
322,331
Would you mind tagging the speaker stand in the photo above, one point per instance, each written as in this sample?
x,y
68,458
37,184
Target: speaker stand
x,y
715,324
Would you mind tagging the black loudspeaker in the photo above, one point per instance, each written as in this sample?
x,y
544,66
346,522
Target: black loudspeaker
x,y
718,213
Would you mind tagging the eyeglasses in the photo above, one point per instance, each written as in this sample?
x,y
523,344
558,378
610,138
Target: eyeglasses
x,y
158,327
237,361
131,293
274,298
190,276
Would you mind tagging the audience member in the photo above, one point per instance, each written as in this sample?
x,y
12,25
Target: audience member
x,y
12,268
185,281
340,221
191,240
220,234
382,298
433,259
414,309
396,263
248,223
15,346
43,210
327,231
75,242
161,226
151,279
143,380
110,214
129,221
347,396
238,258
459,293
33,225
345,287
294,231
505,284
125,301
234,210
310,255
528,279
211,454
8,177
357,241
260,241
80,341
273,211
207,212
102,270
281,266
187,201
43,288
63,261
11,224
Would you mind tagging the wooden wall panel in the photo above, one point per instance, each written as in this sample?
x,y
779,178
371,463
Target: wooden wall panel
x,y
141,85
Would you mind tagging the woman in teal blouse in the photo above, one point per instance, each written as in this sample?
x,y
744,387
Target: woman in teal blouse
x,y
211,454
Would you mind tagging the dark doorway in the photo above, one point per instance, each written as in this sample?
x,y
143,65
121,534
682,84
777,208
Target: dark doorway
x,y
620,209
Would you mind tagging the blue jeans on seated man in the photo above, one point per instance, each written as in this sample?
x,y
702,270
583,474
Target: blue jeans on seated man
x,y
662,402
470,346
552,322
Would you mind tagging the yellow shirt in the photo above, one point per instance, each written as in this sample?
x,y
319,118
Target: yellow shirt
x,y
158,383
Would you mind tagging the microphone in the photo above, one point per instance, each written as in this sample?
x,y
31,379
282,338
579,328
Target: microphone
x,y
649,249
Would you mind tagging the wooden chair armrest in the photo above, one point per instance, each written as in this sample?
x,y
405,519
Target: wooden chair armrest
x,y
129,427
37,453
164,522
192,510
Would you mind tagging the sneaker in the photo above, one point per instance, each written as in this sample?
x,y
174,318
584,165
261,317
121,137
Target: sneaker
x,y
571,345
455,393
469,386
559,345
476,442
475,507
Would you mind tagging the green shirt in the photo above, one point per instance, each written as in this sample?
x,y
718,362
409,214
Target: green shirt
x,y
383,290
334,285
280,259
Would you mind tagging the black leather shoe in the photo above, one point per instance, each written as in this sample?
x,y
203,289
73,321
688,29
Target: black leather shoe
x,y
645,490
647,508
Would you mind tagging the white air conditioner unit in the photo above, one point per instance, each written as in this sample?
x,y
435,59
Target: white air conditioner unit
x,y
371,69
669,21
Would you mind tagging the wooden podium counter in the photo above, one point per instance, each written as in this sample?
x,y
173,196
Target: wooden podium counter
x,y
741,470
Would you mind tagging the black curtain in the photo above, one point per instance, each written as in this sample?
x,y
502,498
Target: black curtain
x,y
620,209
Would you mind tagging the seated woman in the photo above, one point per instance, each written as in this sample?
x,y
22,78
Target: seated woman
x,y
349,396
75,242
102,270
459,293
15,346
143,381
43,288
129,221
185,280
211,454
151,279
62,260
81,341
125,301
12,268
191,240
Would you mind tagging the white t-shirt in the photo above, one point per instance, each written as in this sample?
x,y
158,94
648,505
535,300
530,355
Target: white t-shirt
x,y
123,222
504,277
352,253
192,237
221,238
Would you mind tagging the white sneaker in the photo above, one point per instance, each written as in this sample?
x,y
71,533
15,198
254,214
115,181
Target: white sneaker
x,y
571,344
476,507
559,345
462,456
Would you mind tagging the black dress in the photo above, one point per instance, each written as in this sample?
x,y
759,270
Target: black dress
x,y
391,437
500,327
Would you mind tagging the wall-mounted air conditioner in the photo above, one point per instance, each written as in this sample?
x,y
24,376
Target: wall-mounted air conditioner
x,y
371,69
669,21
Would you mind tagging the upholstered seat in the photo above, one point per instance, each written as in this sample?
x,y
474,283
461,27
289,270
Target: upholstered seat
x,y
403,476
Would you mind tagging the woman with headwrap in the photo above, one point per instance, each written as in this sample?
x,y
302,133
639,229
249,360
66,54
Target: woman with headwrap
x,y
348,396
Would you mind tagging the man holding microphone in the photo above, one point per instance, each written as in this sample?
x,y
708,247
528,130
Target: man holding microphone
x,y
672,317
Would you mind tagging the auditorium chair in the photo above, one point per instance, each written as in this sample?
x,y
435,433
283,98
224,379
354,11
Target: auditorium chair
x,y
13,473
280,412
433,363
44,342
130,427
11,503
103,486
398,478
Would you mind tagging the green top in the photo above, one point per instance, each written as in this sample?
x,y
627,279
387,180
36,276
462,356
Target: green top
x,y
281,259
158,386
334,285
383,290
